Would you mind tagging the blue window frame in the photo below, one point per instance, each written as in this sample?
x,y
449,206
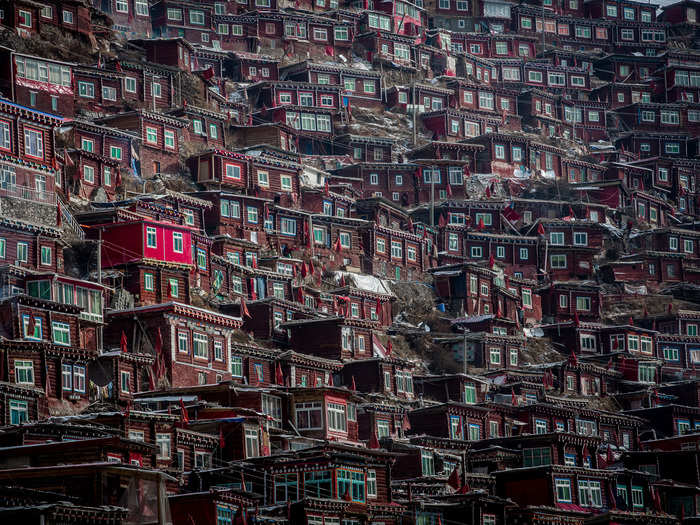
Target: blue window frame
x,y
353,482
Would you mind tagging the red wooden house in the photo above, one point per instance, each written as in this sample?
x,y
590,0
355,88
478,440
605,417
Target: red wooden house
x,y
389,376
47,347
90,175
571,247
206,127
564,300
132,18
42,84
31,246
160,135
360,87
195,345
30,169
253,67
175,51
327,413
453,125
192,22
343,338
261,176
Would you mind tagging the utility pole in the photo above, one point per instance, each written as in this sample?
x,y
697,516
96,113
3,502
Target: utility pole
x,y
464,351
432,197
413,99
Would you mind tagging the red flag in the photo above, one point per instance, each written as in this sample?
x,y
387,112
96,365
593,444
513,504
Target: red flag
x,y
611,496
573,359
311,268
253,294
492,261
631,321
576,319
303,269
159,343
670,307
342,281
610,364
118,67
540,229
488,192
449,190
326,187
127,410
300,295
389,348
455,481
373,441
329,51
513,398
208,73
441,221
244,309
465,489
122,342
59,215
346,495
481,225
242,481
183,412
338,246
353,387
222,441
279,376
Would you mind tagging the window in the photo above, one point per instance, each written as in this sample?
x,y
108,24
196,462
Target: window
x,y
22,251
200,343
351,482
286,180
252,443
33,143
533,457
427,463
25,18
174,286
563,488
236,366
60,333
341,33
670,117
485,100
24,372
589,493
580,239
163,445
495,356
308,415
151,241
286,487
169,139
177,242
556,238
19,412
46,255
196,17
637,496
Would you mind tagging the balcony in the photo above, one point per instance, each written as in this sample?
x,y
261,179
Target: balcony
x,y
26,193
